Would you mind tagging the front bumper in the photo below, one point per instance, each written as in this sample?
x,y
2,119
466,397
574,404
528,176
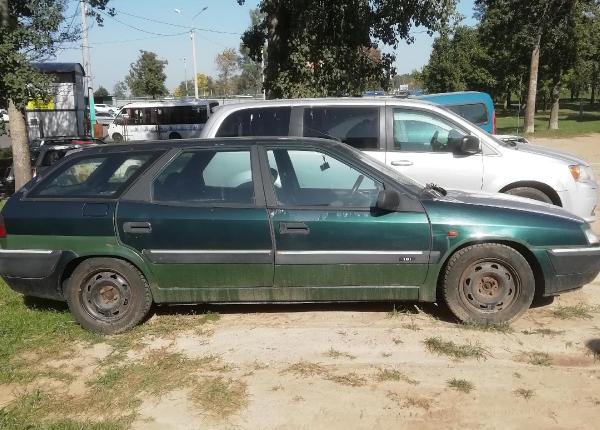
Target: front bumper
x,y
34,273
572,268
581,199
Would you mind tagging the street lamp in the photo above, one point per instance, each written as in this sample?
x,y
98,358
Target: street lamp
x,y
193,38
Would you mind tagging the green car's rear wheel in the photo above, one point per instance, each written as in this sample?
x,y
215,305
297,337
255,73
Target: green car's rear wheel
x,y
108,295
488,283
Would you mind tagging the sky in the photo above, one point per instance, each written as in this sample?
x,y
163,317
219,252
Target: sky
x,y
116,44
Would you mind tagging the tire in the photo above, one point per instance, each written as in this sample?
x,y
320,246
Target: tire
x,y
488,283
530,193
108,295
174,136
117,137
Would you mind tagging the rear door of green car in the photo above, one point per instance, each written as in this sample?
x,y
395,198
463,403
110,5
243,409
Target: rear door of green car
x,y
327,232
202,223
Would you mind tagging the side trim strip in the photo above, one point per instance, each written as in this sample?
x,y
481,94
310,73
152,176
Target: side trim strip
x,y
593,250
25,251
209,256
351,257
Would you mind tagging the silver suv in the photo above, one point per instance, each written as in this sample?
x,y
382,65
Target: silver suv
x,y
424,141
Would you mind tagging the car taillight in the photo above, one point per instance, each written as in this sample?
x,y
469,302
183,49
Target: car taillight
x,y
2,227
494,123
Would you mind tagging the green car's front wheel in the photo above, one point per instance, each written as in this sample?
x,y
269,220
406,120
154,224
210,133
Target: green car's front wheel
x,y
488,283
108,295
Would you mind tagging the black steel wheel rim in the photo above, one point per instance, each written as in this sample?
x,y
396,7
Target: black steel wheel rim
x,y
106,295
489,286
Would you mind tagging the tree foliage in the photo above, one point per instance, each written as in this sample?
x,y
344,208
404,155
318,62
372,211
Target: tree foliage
x,y
227,66
318,48
120,90
458,62
101,92
147,76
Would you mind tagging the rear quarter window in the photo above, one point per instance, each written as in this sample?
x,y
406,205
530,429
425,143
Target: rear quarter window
x,y
476,113
271,121
94,176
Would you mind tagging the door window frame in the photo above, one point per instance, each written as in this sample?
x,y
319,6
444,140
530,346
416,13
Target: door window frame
x,y
389,116
269,192
259,198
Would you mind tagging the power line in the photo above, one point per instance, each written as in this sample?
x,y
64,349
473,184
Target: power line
x,y
140,29
156,21
114,42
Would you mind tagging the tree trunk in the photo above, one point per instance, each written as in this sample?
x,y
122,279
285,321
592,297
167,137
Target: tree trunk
x,y
508,99
532,92
553,124
20,146
594,84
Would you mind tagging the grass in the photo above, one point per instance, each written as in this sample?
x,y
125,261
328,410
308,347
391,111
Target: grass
x,y
570,122
461,385
453,350
221,397
411,326
543,332
387,374
525,393
578,311
349,379
537,358
43,329
306,368
410,401
338,354
495,328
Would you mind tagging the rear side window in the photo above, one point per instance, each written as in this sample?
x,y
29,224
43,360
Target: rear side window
x,y
272,121
476,113
355,126
207,177
104,175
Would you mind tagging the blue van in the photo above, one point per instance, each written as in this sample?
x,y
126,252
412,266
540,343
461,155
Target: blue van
x,y
474,106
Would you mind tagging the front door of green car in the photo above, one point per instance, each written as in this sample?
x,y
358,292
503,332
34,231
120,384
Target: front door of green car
x,y
328,234
205,227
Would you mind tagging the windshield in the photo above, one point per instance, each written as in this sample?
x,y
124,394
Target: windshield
x,y
409,183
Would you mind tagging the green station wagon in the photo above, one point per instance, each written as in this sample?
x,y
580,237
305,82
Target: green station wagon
x,y
113,229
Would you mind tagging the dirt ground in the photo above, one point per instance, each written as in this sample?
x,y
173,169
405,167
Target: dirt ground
x,y
373,366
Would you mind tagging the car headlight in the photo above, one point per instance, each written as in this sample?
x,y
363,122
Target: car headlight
x,y
591,236
581,173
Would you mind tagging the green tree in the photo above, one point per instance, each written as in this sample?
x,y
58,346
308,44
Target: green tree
x,y
30,30
534,25
120,90
101,92
318,48
203,81
227,66
251,76
147,76
458,62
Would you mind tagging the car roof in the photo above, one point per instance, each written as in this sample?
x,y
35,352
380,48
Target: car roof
x,y
326,101
159,103
164,145
457,97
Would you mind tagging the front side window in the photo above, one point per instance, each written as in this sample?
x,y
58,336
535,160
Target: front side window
x,y
207,177
355,126
272,121
312,178
97,176
420,131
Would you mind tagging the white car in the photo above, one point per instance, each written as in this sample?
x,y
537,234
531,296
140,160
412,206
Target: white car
x,y
424,141
103,108
4,115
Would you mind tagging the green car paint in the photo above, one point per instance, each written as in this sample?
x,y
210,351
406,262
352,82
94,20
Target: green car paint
x,y
346,254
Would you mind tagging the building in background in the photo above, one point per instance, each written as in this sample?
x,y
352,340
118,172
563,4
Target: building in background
x,y
63,114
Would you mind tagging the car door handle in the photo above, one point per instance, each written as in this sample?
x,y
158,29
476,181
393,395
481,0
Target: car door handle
x,y
137,227
293,228
402,163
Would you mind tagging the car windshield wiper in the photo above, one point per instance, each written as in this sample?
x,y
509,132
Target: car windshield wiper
x,y
433,187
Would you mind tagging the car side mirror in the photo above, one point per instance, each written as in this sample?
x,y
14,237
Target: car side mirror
x,y
388,200
470,145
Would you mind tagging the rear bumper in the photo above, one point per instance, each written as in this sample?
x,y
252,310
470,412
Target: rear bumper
x,y
34,272
572,267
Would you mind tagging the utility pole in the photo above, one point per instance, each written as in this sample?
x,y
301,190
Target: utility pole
x,y
87,65
185,75
195,77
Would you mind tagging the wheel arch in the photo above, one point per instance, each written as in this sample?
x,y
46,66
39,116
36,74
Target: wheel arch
x,y
533,262
545,188
72,264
